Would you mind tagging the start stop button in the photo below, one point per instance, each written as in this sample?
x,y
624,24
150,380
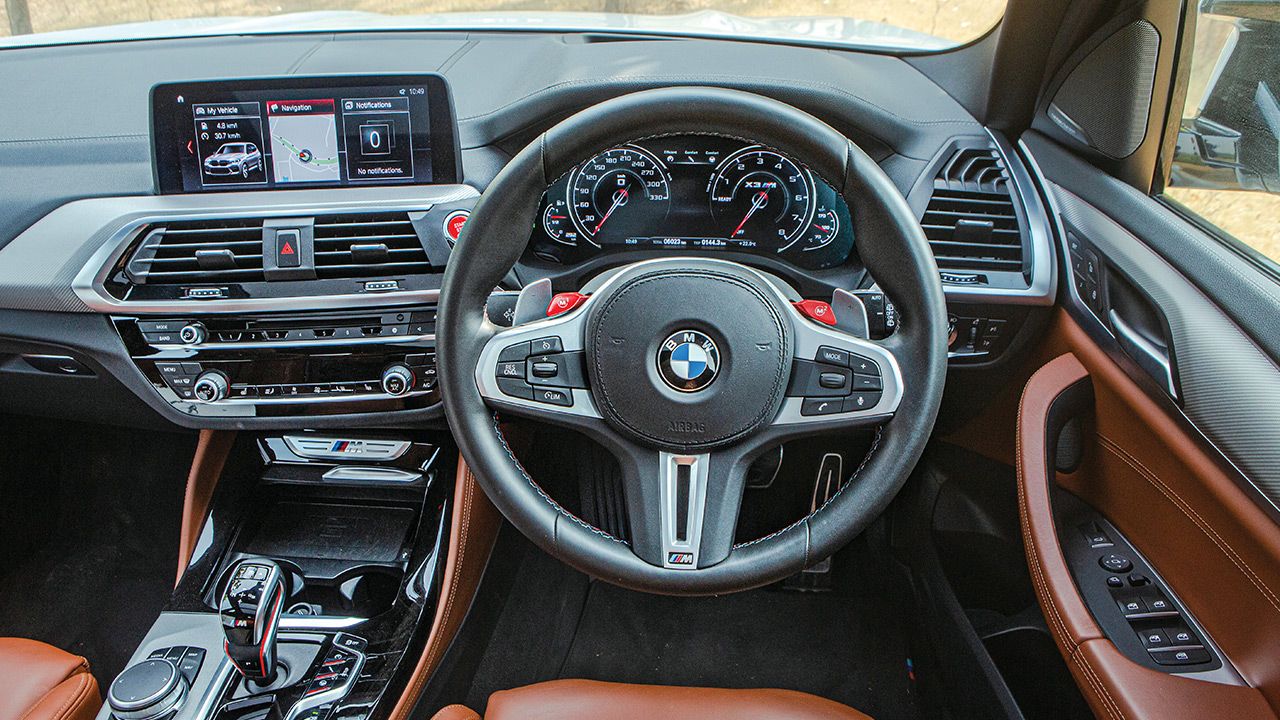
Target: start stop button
x,y
453,223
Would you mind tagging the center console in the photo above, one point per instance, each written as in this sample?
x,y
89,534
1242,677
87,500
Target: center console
x,y
311,589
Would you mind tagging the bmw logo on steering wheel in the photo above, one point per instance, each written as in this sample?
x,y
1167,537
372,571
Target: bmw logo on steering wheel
x,y
688,361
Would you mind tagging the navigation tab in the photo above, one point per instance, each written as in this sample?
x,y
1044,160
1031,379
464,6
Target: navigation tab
x,y
304,141
379,139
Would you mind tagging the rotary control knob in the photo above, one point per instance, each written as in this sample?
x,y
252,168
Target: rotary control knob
x,y
151,689
211,386
397,380
192,334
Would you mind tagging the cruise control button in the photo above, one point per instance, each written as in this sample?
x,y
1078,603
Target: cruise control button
x,y
863,400
553,396
544,369
511,370
513,353
515,387
541,346
835,356
820,406
566,369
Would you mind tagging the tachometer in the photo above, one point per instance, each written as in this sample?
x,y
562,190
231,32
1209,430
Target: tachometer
x,y
761,196
619,194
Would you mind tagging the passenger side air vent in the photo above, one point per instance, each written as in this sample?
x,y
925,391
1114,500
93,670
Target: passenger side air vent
x,y
368,245
198,251
971,221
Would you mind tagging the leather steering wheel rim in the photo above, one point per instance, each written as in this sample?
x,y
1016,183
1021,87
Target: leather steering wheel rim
x,y
890,243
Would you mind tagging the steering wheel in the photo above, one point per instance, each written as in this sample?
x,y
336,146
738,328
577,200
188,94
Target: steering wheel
x,y
688,369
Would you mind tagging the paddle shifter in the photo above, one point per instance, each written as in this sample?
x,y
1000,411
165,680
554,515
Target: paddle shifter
x,y
250,610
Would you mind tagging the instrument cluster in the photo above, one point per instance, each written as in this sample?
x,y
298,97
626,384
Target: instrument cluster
x,y
690,194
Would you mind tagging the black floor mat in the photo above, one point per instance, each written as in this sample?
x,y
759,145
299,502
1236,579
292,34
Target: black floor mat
x,y
850,646
89,528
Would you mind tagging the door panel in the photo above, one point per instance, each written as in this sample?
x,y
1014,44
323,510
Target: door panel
x,y
1085,384
1173,336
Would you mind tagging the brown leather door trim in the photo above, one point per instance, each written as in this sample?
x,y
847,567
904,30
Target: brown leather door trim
x,y
206,467
473,530
1114,686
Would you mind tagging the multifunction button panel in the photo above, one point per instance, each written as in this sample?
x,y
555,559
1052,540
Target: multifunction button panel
x,y
279,365
835,381
540,370
330,678
1134,607
187,659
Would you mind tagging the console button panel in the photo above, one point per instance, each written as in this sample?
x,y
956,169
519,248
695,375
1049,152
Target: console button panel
x,y
289,365
835,381
541,371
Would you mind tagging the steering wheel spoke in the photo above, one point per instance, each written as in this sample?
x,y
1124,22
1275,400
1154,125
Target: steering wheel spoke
x,y
682,507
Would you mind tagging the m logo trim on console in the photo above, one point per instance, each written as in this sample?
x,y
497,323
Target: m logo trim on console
x,y
688,361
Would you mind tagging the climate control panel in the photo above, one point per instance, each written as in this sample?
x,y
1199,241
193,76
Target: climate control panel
x,y
288,365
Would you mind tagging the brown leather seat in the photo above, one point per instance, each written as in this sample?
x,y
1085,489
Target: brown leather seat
x,y
41,682
590,700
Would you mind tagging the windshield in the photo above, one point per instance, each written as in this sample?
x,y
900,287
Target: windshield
x,y
912,24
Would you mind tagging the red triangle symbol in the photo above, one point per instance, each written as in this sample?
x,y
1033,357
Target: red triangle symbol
x,y
287,249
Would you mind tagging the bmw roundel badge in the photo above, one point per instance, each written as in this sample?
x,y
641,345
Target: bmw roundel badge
x,y
688,361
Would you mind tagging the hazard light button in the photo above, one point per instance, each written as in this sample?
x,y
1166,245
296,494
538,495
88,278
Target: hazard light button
x,y
287,250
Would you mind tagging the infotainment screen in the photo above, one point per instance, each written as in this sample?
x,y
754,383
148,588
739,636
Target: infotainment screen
x,y
304,132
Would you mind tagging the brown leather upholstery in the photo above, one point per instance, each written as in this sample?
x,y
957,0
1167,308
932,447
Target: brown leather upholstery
x,y
591,700
41,682
1114,686
206,469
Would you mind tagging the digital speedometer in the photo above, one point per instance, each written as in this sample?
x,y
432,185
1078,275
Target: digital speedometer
x,y
619,194
757,194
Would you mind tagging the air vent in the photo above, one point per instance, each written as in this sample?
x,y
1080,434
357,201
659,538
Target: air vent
x,y
971,221
368,245
198,251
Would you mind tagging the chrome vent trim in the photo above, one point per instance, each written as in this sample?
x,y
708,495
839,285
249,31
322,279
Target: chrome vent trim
x,y
198,251
366,245
971,221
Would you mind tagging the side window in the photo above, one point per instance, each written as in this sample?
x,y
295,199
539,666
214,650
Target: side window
x,y
1226,166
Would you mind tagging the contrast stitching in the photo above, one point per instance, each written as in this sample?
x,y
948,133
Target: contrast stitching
x,y
1173,497
1054,616
421,678
874,444
542,493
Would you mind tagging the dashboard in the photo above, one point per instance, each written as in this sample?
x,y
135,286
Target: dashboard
x,y
295,290
693,193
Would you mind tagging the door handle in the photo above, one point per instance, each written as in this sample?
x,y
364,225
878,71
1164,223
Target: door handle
x,y
1152,359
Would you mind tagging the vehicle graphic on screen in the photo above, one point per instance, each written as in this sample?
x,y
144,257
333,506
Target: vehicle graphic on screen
x,y
234,159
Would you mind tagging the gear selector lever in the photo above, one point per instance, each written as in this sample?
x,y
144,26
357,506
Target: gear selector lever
x,y
250,611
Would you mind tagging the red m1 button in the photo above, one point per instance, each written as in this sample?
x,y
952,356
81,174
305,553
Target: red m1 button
x,y
564,302
817,310
453,223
